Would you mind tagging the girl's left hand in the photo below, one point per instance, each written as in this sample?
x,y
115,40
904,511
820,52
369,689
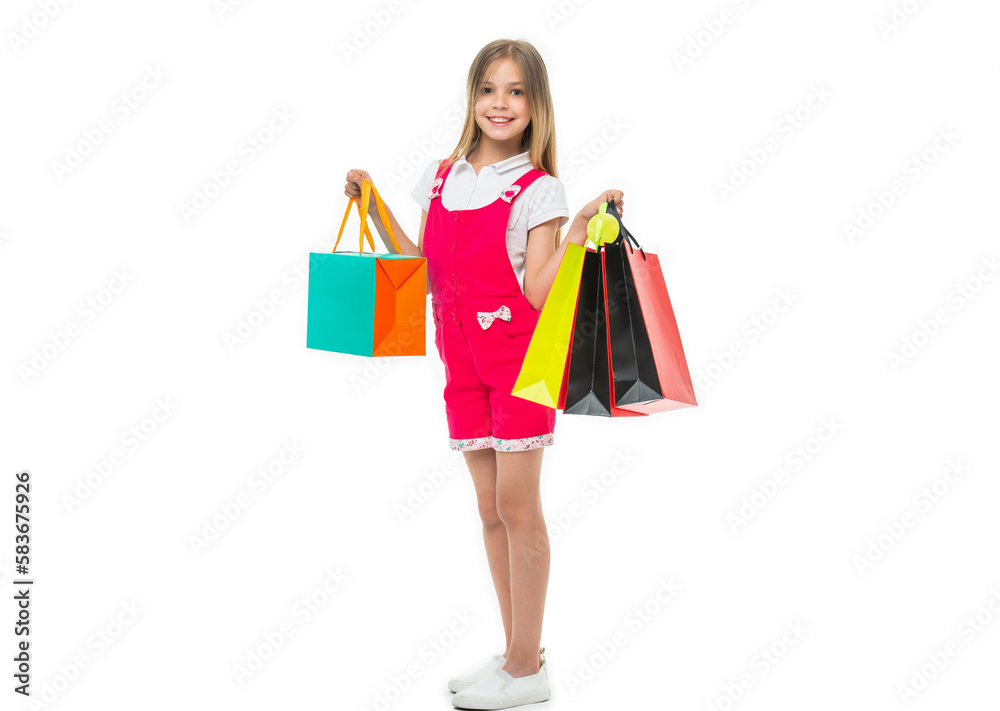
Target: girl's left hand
x,y
593,207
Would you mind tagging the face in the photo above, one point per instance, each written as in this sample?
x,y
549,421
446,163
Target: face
x,y
502,96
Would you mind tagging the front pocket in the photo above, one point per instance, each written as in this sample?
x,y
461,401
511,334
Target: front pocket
x,y
437,333
519,328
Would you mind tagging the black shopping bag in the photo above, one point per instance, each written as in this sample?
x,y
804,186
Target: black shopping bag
x,y
634,378
587,389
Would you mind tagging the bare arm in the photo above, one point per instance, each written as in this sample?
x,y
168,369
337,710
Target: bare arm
x,y
541,262
405,245
352,189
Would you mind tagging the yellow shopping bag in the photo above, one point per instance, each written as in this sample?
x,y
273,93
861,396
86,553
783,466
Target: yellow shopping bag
x,y
545,360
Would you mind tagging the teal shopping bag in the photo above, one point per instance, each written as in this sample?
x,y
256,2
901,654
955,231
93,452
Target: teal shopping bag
x,y
367,304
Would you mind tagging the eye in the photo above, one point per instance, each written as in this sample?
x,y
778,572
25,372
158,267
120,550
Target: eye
x,y
486,89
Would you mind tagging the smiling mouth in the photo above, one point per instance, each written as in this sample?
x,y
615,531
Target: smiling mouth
x,y
502,122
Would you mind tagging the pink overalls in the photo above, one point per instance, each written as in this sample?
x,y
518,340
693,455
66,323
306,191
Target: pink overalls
x,y
482,323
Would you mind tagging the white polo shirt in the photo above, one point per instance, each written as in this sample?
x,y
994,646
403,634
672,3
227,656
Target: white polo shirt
x,y
541,201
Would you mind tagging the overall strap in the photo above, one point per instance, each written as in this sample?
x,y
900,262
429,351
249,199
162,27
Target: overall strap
x,y
439,177
508,194
530,177
443,170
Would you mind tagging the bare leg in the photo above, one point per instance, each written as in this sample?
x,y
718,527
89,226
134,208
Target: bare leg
x,y
519,506
482,465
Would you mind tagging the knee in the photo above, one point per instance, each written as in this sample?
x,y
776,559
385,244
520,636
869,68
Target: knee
x,y
489,514
515,511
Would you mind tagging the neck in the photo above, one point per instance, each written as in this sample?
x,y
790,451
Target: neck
x,y
488,151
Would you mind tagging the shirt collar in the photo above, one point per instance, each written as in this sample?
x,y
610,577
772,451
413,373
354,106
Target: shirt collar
x,y
500,166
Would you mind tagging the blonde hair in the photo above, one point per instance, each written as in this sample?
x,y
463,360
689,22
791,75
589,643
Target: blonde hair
x,y
539,138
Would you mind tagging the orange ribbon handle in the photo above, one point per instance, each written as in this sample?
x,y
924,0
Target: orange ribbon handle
x,y
364,226
367,190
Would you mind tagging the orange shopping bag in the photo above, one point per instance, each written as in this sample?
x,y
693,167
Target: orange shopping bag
x,y
367,304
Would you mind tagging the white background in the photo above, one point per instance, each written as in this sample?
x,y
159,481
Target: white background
x,y
369,430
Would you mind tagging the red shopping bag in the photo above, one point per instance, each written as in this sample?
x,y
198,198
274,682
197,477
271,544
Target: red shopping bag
x,y
661,325
588,385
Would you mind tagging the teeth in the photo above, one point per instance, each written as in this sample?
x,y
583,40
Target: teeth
x,y
495,120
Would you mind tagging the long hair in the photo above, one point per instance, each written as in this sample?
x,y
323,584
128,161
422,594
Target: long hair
x,y
539,138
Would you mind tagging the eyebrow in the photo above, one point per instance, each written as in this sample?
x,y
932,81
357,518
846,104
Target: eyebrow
x,y
513,83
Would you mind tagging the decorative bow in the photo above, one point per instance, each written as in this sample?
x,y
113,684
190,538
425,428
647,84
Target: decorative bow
x,y
486,317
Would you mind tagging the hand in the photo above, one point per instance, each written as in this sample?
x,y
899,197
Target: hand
x,y
353,187
593,207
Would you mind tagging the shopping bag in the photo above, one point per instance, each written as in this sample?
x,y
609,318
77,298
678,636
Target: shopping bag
x,y
634,378
586,389
541,375
367,304
659,324
586,386
622,334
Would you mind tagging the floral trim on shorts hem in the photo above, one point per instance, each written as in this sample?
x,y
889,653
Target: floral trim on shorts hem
x,y
521,444
462,445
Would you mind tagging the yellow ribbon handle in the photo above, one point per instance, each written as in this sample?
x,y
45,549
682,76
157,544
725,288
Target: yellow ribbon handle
x,y
367,190
602,227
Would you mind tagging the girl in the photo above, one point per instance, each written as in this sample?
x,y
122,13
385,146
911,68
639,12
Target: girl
x,y
492,212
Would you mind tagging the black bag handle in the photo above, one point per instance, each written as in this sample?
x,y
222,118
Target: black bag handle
x,y
622,231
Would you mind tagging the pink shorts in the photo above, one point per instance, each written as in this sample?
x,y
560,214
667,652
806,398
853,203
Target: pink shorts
x,y
481,366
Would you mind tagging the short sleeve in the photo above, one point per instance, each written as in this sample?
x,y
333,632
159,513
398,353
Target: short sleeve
x,y
423,186
547,201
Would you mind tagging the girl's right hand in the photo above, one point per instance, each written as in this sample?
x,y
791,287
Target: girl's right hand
x,y
593,207
354,178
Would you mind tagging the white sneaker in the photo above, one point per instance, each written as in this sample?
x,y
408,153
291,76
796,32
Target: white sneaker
x,y
466,680
501,691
